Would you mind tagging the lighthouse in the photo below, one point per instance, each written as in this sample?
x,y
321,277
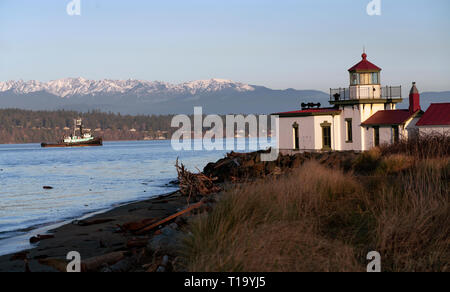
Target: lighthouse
x,y
361,116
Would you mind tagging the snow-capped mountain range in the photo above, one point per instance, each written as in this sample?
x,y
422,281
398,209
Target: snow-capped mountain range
x,y
216,96
70,87
150,97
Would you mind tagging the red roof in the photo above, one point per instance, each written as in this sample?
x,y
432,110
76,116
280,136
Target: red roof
x,y
308,112
437,114
389,117
314,110
364,65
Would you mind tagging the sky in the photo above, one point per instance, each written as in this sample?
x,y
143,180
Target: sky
x,y
303,44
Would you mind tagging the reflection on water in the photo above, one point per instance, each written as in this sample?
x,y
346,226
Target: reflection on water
x,y
84,180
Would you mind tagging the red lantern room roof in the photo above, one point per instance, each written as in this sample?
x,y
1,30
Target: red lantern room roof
x,y
364,66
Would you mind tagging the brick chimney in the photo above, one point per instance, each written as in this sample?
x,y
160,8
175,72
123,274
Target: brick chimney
x,y
414,99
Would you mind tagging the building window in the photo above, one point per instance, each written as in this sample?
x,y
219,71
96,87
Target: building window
x,y
376,136
296,136
395,134
349,130
326,136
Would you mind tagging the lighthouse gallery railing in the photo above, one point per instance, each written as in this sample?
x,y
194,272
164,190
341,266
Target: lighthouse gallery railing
x,y
387,92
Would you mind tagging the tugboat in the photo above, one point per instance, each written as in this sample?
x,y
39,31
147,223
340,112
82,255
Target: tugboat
x,y
85,138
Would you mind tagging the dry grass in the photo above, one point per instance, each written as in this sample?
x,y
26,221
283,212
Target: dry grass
x,y
322,219
421,147
254,228
413,219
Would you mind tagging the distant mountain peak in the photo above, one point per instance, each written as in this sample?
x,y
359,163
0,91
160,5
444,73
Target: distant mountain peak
x,y
69,87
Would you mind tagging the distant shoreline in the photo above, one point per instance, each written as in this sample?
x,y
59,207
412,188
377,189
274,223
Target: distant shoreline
x,y
107,141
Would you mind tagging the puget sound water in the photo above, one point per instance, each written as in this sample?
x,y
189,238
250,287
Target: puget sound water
x,y
84,181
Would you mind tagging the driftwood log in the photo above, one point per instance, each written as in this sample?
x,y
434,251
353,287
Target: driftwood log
x,y
95,263
170,218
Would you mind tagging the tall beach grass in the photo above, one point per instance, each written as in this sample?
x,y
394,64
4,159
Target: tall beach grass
x,y
318,218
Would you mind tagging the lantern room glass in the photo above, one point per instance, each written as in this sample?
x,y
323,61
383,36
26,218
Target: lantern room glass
x,y
364,78
376,78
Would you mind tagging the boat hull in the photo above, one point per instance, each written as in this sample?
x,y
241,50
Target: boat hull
x,y
94,142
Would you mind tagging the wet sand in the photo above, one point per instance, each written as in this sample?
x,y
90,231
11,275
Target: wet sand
x,y
94,240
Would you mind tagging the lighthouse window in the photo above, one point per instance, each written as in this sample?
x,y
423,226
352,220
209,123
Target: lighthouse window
x,y
375,78
364,78
355,79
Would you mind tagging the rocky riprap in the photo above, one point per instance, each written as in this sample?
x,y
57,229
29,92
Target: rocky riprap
x,y
239,167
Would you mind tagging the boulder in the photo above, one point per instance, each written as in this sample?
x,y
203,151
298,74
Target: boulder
x,y
248,163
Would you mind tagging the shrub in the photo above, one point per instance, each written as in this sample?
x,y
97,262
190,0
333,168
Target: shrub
x,y
368,161
394,164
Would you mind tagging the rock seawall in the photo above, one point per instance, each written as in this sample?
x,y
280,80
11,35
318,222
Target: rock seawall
x,y
247,166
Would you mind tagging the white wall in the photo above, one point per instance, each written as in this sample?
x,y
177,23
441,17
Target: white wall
x,y
306,132
430,130
359,114
353,113
367,111
410,129
365,91
335,131
386,135
310,132
368,138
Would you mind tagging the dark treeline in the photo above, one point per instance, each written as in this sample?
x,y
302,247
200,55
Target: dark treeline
x,y
24,126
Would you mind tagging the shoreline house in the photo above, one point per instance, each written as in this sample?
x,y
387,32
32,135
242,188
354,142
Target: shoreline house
x,y
362,116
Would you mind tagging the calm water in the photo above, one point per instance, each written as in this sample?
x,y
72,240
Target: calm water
x,y
84,181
